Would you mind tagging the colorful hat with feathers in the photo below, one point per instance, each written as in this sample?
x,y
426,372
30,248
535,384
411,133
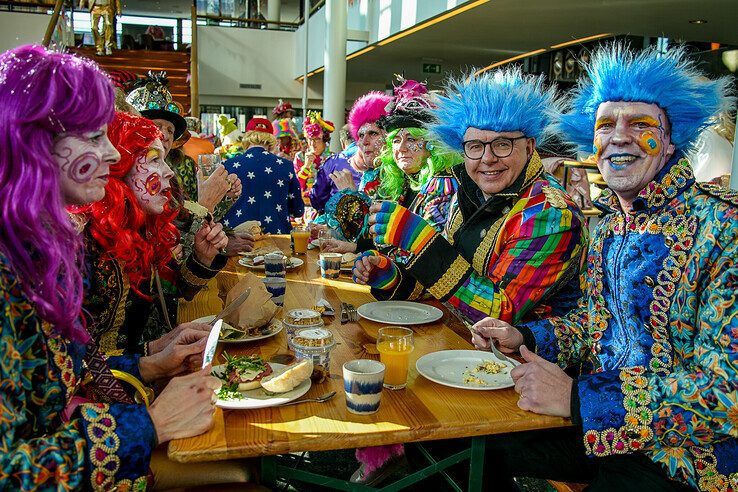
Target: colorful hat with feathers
x,y
409,108
669,80
315,126
501,101
152,99
283,128
282,107
367,109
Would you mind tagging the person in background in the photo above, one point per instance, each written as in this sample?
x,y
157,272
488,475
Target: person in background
x,y
331,171
652,343
62,428
317,131
271,192
287,141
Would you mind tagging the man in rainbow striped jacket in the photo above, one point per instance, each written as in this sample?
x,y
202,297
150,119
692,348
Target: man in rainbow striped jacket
x,y
655,337
514,241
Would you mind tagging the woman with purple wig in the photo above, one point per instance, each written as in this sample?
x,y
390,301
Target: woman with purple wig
x,y
65,422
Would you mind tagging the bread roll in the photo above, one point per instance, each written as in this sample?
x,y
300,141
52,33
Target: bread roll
x,y
289,378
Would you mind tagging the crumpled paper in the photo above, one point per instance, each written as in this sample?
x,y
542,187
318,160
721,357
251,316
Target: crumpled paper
x,y
257,310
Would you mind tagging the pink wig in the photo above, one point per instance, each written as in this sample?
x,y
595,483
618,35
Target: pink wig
x,y
367,109
44,94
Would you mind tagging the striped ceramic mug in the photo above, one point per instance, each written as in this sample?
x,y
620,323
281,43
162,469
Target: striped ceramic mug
x,y
362,382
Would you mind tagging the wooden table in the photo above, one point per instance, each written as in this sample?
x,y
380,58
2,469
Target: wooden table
x,y
423,411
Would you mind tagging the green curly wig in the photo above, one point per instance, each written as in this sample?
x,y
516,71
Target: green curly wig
x,y
392,179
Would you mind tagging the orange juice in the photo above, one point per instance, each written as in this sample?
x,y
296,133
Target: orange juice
x,y
395,357
300,238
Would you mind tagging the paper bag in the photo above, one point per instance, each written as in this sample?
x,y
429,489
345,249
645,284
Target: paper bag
x,y
252,227
257,310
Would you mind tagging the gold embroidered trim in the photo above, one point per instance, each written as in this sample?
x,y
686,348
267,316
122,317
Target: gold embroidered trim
x,y
417,291
450,279
190,277
105,443
638,417
455,222
708,478
109,339
484,250
554,196
62,360
414,258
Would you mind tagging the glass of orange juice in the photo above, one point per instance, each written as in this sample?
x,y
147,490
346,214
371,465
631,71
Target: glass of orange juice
x,y
394,344
300,237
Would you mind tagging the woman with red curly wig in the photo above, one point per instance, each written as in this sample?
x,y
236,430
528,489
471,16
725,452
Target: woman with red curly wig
x,y
130,236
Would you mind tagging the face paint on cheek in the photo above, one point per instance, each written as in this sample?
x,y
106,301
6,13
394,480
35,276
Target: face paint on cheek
x,y
649,143
153,184
597,147
83,168
416,146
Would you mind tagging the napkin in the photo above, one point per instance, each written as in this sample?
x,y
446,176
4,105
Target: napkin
x,y
257,310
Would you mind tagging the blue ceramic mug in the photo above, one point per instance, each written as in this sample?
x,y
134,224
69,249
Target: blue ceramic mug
x,y
362,382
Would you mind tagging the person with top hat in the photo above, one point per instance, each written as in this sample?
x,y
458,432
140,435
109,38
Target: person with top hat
x,y
271,191
653,342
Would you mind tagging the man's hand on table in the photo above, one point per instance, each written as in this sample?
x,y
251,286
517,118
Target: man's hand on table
x,y
542,385
238,242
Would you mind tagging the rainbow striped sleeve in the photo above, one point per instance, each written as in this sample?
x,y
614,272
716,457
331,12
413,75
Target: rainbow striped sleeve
x,y
537,249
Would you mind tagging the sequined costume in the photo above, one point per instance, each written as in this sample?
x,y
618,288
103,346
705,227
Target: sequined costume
x,y
515,256
669,390
103,445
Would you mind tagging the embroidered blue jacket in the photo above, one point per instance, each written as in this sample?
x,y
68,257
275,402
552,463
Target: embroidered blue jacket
x,y
102,447
656,332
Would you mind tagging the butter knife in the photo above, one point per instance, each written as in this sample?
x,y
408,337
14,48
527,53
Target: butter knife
x,y
495,350
232,306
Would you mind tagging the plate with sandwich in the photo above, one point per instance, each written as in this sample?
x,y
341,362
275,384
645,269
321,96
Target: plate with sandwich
x,y
251,382
232,334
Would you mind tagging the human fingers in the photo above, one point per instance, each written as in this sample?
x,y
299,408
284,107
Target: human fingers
x,y
480,342
215,231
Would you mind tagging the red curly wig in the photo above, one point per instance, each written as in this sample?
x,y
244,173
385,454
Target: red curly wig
x,y
118,223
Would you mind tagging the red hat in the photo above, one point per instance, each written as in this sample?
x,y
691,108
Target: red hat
x,y
260,125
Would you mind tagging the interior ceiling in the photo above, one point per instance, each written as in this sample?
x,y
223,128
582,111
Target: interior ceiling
x,y
501,29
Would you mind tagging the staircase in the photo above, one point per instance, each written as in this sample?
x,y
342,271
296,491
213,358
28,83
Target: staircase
x,y
175,63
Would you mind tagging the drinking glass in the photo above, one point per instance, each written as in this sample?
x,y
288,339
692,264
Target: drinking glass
x,y
394,344
207,164
299,238
324,238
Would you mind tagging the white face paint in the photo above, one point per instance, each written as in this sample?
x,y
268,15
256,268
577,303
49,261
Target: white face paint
x,y
632,144
410,153
149,178
371,139
84,162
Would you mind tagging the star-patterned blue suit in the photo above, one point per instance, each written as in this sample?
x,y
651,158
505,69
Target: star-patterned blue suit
x,y
271,192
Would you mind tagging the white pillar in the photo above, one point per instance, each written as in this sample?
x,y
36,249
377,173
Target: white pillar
x,y
306,21
734,169
334,58
274,11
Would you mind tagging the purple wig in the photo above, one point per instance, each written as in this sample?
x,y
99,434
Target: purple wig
x,y
367,109
44,94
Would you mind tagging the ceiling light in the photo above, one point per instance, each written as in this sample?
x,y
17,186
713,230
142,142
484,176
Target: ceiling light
x,y
698,21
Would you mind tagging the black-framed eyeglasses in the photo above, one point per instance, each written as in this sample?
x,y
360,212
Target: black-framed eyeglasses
x,y
501,147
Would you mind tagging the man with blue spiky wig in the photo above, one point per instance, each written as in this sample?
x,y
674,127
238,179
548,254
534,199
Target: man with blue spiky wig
x,y
514,241
656,334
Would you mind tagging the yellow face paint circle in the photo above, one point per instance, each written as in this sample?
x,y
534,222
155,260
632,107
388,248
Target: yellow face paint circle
x,y
649,143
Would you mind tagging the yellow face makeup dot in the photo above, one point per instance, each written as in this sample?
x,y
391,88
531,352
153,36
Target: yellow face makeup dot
x,y
649,143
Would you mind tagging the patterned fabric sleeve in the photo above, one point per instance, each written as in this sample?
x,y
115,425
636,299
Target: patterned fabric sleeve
x,y
102,447
540,250
561,340
193,275
629,409
436,199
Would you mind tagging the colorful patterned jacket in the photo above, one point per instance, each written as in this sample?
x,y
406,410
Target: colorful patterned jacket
x,y
515,256
656,333
101,447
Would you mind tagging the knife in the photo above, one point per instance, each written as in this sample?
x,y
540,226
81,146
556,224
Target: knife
x,y
232,306
495,350
212,343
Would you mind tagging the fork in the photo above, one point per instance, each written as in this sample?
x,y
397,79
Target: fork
x,y
492,347
353,315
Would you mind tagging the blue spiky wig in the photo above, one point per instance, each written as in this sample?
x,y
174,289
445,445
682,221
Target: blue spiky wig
x,y
670,81
503,101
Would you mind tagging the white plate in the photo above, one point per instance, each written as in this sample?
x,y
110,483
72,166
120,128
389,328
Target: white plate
x,y
258,398
448,367
294,263
400,312
275,327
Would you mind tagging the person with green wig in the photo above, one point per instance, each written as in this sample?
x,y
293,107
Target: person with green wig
x,y
414,172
